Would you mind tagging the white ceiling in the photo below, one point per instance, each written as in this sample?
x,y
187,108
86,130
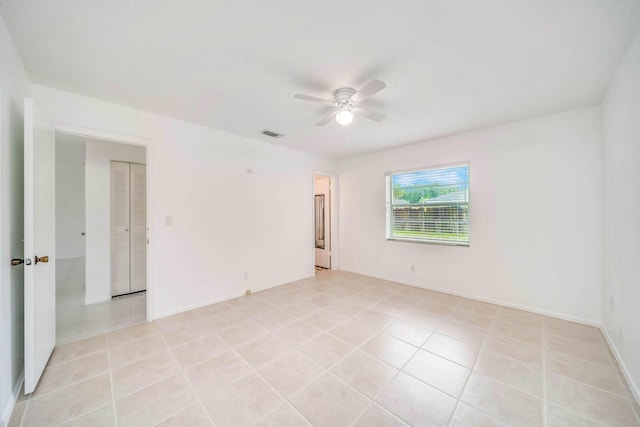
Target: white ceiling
x,y
235,65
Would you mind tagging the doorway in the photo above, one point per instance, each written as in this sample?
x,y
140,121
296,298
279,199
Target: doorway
x,y
84,303
322,215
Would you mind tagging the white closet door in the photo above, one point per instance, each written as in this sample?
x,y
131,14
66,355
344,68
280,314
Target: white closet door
x,y
138,224
120,253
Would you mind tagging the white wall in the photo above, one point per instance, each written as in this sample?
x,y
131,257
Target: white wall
x,y
226,221
69,196
99,155
535,213
621,252
14,86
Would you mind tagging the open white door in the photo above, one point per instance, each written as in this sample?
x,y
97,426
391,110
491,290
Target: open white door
x,y
322,220
39,245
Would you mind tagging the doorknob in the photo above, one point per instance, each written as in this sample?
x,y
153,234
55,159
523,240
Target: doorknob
x,y
18,261
42,259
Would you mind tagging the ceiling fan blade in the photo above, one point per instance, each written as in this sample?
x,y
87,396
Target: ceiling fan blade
x,y
370,114
311,98
327,119
374,86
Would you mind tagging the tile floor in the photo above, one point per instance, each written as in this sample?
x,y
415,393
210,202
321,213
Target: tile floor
x,y
75,320
336,350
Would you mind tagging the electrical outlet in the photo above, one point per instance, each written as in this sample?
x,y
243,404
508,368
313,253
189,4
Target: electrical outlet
x,y
247,292
611,303
246,275
413,268
620,331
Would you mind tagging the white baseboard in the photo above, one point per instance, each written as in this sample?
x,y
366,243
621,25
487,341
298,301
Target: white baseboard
x,y
97,301
8,409
632,385
479,298
198,305
225,298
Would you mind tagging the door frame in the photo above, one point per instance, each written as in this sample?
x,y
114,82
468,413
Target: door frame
x,y
333,216
148,145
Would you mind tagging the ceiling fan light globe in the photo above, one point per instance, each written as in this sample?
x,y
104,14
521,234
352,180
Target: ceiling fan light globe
x,y
344,117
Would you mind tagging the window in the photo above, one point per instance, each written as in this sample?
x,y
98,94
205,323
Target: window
x,y
429,205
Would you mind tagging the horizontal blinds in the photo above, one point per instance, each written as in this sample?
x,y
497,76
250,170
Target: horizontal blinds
x,y
430,205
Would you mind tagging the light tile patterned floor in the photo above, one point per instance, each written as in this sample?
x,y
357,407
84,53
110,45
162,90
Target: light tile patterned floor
x,y
75,320
337,350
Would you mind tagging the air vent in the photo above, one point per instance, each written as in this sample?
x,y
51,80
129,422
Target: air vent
x,y
271,133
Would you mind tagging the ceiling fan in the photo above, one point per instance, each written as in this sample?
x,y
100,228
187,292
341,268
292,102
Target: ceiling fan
x,y
345,102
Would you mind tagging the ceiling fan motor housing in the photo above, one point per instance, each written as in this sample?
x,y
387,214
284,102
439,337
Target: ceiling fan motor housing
x,y
343,95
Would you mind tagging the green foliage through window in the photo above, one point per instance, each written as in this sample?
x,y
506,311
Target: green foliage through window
x,y
430,205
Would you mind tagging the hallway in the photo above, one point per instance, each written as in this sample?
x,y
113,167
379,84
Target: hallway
x,y
75,320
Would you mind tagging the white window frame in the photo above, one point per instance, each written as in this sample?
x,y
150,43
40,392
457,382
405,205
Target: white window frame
x,y
389,207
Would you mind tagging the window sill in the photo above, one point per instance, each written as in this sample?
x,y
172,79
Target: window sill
x,y
429,242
